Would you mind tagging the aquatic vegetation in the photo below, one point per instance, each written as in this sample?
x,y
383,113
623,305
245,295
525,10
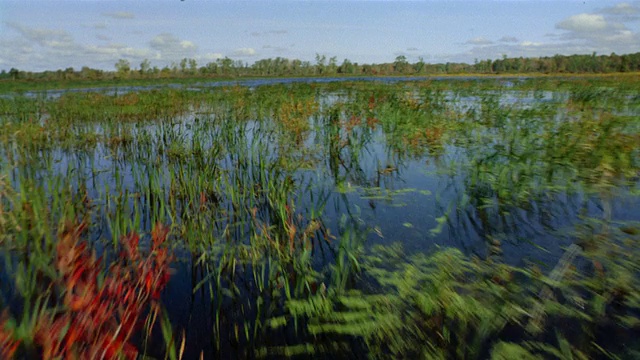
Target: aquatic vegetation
x,y
448,306
282,205
8,343
98,316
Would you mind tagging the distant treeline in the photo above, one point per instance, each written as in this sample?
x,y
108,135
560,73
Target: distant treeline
x,y
323,66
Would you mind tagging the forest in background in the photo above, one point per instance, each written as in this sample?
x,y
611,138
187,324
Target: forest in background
x,y
324,66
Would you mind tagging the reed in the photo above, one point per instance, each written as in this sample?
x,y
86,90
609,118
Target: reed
x,y
282,205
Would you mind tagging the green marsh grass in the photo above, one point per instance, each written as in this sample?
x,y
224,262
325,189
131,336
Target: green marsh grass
x,y
271,196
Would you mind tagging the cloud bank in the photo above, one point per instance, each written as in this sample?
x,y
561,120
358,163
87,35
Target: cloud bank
x,y
604,31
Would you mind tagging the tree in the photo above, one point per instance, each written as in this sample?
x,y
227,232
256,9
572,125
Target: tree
x,y
13,73
296,66
211,68
183,65
123,67
68,73
333,65
165,72
400,64
225,65
346,67
419,66
320,64
145,66
193,66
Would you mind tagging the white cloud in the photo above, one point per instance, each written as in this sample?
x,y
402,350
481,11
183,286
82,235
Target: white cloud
x,y
622,36
117,51
621,9
42,37
583,23
49,49
170,47
120,15
479,41
602,33
621,42
16,52
623,12
244,52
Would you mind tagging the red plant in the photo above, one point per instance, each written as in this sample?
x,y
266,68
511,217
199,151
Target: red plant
x,y
8,345
99,318
372,102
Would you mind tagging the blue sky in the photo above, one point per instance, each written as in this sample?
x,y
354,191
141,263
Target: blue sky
x,y
49,35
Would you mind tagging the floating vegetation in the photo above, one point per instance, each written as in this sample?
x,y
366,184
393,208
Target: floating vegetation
x,y
392,220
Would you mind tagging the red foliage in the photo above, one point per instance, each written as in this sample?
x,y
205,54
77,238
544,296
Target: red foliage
x,y
99,318
372,102
8,345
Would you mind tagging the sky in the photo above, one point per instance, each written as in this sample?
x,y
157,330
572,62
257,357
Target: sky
x,y
57,34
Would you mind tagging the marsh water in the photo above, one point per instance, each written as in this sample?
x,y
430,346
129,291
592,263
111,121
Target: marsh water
x,y
503,169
